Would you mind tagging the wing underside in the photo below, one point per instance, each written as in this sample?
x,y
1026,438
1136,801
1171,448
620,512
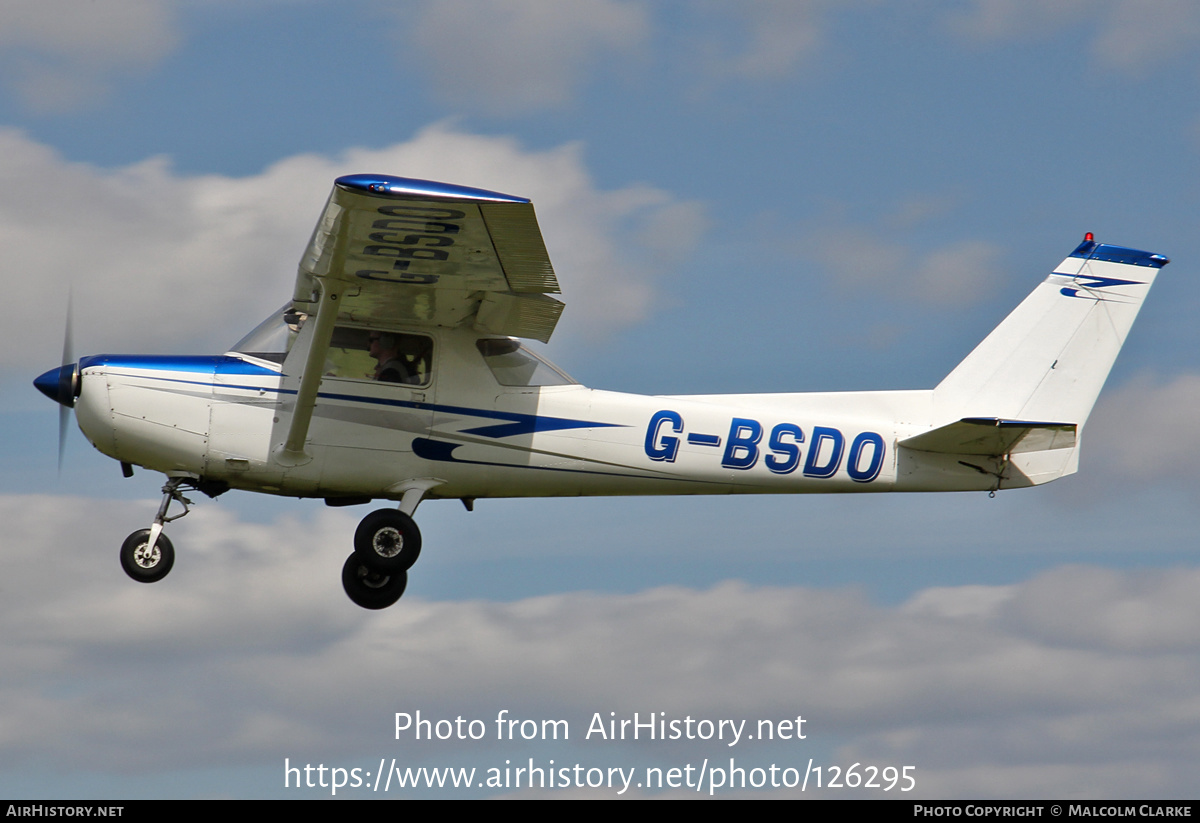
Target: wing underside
x,y
403,252
393,252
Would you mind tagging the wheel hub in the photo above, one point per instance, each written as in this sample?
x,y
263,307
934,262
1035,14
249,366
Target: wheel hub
x,y
388,542
373,579
146,556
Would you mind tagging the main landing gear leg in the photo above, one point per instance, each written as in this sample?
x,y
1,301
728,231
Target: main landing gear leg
x,y
386,545
147,555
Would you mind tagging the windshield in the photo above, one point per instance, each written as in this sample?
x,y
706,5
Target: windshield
x,y
272,339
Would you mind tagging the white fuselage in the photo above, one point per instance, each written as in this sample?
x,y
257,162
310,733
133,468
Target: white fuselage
x,y
464,435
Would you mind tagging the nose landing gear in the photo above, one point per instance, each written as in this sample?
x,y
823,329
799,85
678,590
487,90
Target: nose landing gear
x,y
147,555
146,563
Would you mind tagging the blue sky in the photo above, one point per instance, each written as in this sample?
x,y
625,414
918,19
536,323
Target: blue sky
x,y
737,197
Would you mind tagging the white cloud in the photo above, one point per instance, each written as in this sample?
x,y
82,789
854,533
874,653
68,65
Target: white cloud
x,y
525,55
917,209
517,56
763,39
162,261
58,56
1148,428
858,256
1015,19
1129,35
1080,680
1137,612
958,273
1138,35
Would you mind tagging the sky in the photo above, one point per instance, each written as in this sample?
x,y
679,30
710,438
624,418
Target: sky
x,y
737,197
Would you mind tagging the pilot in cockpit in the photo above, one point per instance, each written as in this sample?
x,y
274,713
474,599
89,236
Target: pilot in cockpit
x,y
400,357
391,368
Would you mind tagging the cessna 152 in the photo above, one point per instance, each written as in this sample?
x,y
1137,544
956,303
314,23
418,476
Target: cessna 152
x,y
395,372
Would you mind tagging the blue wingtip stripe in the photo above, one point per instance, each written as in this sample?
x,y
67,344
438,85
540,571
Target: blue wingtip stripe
x,y
413,189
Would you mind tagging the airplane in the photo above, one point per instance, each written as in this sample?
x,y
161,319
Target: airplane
x,y
396,372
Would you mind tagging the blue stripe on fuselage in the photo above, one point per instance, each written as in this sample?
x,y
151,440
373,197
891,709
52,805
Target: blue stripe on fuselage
x,y
211,364
515,423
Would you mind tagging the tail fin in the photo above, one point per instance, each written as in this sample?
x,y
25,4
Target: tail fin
x,y
1049,359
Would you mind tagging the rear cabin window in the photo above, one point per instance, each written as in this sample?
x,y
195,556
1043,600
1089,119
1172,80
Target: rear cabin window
x,y
514,365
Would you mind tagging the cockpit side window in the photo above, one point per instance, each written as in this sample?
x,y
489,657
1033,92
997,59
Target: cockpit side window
x,y
514,365
380,355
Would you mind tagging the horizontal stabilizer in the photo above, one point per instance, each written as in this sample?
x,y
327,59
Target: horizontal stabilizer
x,y
993,437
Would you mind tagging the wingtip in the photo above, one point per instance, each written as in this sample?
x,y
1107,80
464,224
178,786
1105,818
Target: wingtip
x,y
413,189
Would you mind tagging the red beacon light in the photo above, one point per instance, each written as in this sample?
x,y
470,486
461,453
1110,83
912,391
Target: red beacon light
x,y
1089,238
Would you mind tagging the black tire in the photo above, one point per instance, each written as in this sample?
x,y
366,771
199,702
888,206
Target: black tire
x,y
143,565
371,589
387,541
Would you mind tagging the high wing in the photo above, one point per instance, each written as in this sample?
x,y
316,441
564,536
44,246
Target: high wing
x,y
404,252
393,251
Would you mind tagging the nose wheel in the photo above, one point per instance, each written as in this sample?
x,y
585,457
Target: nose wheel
x,y
144,562
147,555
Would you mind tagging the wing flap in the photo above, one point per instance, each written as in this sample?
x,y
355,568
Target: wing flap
x,y
518,315
993,437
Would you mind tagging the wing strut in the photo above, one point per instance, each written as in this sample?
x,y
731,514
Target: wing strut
x,y
292,452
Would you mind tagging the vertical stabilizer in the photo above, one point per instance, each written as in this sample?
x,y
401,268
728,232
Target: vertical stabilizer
x,y
1049,359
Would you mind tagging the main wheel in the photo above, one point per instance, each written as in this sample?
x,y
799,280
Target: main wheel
x,y
146,563
371,589
387,541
